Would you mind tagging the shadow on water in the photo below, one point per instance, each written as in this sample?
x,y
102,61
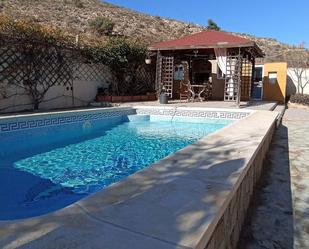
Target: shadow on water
x,y
269,223
184,212
26,194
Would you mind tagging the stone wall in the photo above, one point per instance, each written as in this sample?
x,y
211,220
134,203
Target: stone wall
x,y
227,231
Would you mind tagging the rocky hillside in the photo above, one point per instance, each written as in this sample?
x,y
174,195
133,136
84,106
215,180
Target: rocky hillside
x,y
74,16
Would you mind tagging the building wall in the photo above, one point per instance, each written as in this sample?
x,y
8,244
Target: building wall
x,y
292,81
276,91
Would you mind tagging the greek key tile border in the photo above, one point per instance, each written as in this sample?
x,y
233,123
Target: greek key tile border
x,y
32,122
194,113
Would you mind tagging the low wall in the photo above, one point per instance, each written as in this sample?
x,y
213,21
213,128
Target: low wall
x,y
227,231
82,91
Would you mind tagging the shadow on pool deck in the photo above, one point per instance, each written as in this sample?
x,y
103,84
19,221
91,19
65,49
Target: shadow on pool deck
x,y
169,205
270,221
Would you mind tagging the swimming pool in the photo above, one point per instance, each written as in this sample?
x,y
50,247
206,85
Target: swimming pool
x,y
50,167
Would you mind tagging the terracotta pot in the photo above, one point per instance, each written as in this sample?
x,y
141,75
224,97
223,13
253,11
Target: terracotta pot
x,y
126,98
100,98
108,98
144,97
136,98
152,97
116,98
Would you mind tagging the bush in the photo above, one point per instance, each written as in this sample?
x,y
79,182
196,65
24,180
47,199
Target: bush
x,y
300,99
102,25
123,57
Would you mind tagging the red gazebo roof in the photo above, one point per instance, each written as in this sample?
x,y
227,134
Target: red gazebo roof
x,y
204,39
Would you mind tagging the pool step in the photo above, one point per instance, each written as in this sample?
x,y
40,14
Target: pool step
x,y
138,118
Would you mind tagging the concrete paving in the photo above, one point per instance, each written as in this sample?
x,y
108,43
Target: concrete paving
x,y
279,216
253,105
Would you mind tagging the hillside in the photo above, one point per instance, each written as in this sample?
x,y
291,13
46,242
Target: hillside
x,y
74,16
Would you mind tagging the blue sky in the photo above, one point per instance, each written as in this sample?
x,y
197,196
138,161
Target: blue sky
x,y
284,20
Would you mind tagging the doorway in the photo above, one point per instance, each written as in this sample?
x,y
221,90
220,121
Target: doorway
x,y
257,88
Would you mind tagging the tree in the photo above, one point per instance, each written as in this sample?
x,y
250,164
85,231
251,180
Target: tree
x,y
212,25
299,66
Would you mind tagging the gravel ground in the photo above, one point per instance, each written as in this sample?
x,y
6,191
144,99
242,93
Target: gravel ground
x,y
279,215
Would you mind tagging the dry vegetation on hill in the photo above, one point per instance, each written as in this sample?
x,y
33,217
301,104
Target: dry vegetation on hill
x,y
74,17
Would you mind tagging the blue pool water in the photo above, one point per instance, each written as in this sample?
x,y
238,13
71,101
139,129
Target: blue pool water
x,y
45,169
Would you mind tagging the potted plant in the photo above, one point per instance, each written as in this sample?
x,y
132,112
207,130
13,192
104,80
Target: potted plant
x,y
126,98
117,98
136,98
163,97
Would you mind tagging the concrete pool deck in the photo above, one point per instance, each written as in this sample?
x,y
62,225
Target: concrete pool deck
x,y
244,105
195,198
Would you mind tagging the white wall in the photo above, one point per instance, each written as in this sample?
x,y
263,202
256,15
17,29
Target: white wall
x,y
292,81
59,96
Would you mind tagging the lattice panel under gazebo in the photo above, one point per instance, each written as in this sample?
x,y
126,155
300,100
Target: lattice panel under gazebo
x,y
246,79
232,77
167,74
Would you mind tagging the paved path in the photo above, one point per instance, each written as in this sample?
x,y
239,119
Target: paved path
x,y
279,216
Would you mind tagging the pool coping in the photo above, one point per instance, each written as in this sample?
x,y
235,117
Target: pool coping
x,y
95,215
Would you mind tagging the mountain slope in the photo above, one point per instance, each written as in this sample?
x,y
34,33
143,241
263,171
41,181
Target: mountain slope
x,y
74,16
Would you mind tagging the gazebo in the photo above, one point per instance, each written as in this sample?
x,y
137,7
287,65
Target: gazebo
x,y
210,64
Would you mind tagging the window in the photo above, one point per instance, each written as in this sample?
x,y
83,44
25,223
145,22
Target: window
x,y
272,78
258,74
220,74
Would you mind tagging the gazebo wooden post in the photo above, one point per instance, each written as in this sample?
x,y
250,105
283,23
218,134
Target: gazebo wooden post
x,y
252,75
238,76
158,73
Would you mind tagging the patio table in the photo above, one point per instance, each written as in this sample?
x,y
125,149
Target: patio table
x,y
196,92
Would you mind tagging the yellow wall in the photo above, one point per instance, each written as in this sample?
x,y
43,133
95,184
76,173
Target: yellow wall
x,y
275,91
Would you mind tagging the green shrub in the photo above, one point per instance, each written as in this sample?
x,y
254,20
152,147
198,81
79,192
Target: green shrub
x,y
102,25
123,57
300,99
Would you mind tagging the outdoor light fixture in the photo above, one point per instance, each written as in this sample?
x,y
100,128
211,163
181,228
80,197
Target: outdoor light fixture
x,y
272,78
148,57
148,61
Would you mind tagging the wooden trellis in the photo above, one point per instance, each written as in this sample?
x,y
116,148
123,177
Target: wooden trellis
x,y
90,72
46,66
233,77
167,74
238,79
49,67
246,80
